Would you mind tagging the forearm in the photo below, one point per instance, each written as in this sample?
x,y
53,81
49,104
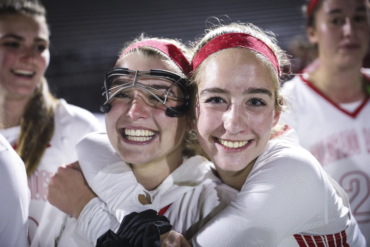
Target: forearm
x,y
95,220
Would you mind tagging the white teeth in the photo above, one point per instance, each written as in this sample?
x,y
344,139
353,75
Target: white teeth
x,y
231,144
138,139
23,72
136,133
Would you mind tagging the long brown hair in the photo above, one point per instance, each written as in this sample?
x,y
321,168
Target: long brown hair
x,y
37,122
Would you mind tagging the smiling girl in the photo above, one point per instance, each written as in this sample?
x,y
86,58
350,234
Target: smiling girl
x,y
285,198
331,106
42,129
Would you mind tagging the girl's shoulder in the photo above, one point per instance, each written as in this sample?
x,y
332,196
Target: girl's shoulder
x,y
70,114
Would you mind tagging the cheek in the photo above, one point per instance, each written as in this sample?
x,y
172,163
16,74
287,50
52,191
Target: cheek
x,y
45,59
6,59
208,120
261,123
112,117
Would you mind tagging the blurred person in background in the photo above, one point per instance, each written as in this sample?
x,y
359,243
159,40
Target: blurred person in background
x,y
15,197
330,103
42,129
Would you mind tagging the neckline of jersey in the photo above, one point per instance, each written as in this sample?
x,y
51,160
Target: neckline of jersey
x,y
351,114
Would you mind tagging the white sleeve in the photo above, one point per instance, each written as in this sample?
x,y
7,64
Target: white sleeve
x,y
277,199
15,197
95,220
109,176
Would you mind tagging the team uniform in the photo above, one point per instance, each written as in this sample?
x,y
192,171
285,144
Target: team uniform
x,y
188,197
287,200
15,197
338,135
71,124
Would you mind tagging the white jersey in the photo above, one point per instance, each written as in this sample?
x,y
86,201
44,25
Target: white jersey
x,y
339,138
71,124
286,201
15,197
188,197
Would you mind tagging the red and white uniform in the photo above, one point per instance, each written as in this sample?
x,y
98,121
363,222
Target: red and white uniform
x,y
71,124
189,196
338,135
287,201
15,197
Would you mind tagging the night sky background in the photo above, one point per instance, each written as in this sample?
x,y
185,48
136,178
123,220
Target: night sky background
x,y
86,35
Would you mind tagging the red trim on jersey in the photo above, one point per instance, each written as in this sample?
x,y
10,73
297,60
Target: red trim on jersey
x,y
285,129
331,240
353,114
164,210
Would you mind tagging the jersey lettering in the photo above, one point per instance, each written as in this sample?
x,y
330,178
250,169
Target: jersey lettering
x,y
337,146
367,138
38,184
357,186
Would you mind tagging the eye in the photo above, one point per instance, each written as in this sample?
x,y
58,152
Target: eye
x,y
215,100
122,95
337,21
12,44
256,102
359,18
40,48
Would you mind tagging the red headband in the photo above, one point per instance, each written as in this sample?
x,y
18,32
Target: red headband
x,y
230,40
167,48
311,6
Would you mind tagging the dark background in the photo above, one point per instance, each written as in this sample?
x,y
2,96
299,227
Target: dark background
x,y
86,35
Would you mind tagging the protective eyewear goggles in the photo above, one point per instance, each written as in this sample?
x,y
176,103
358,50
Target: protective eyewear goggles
x,y
174,97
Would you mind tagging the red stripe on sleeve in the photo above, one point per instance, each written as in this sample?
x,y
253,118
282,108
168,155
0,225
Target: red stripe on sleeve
x,y
330,241
338,239
318,241
300,240
310,240
344,237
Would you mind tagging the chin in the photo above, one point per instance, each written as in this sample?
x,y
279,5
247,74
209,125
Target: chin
x,y
232,164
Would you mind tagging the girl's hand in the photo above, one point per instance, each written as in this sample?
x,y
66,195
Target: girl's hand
x,y
173,239
69,191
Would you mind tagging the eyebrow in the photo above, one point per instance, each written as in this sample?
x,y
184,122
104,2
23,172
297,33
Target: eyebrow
x,y
248,91
254,90
336,11
214,90
17,37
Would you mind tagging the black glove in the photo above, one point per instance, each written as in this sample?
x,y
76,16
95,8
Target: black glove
x,y
137,230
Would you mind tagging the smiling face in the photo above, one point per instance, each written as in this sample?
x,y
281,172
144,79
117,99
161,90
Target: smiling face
x,y
24,53
341,32
137,125
236,108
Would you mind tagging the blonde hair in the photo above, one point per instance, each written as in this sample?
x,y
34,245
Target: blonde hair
x,y
190,149
37,122
267,37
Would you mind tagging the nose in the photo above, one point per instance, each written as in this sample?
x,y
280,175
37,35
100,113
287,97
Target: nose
x,y
138,109
235,120
348,27
28,55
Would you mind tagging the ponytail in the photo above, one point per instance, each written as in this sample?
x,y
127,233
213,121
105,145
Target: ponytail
x,y
37,127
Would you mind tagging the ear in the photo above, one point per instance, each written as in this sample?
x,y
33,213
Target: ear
x,y
312,35
276,117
